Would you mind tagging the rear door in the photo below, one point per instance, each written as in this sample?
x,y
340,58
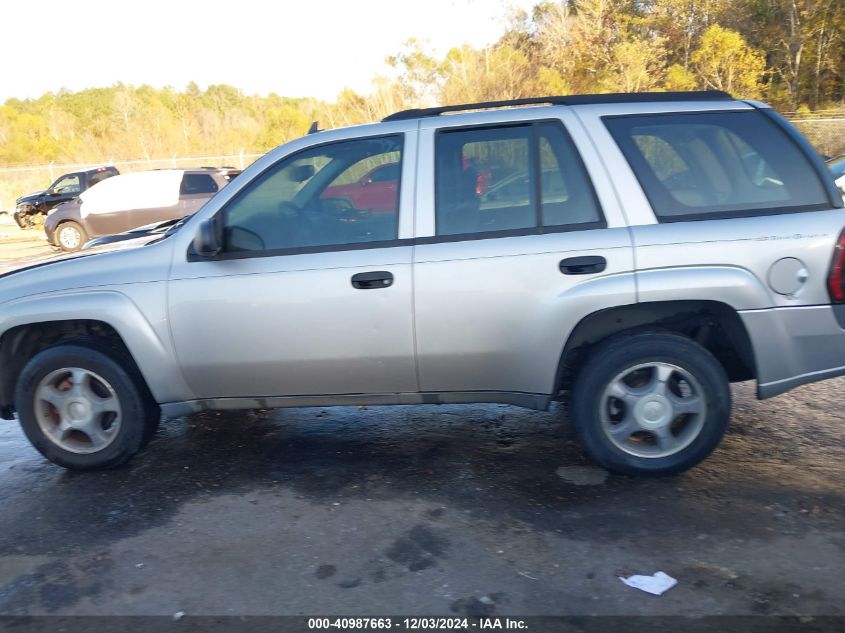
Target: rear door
x,y
131,200
106,208
519,237
189,193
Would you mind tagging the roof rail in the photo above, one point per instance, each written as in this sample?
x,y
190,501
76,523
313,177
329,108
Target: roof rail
x,y
614,97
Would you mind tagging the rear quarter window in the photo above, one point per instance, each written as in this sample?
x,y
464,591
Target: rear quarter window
x,y
717,164
98,177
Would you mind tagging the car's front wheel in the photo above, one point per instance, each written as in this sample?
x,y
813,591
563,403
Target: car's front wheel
x,y
82,409
25,216
70,236
651,403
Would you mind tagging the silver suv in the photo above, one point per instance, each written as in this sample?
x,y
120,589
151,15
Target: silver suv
x,y
635,253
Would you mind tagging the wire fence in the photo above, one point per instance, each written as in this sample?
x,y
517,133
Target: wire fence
x,y
825,132
18,181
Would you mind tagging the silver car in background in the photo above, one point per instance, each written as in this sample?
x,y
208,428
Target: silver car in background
x,y
685,240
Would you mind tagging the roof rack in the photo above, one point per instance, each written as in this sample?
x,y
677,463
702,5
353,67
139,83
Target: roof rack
x,y
614,97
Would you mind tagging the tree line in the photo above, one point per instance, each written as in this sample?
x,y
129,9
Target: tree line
x,y
790,53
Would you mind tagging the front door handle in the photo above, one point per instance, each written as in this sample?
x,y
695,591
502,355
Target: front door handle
x,y
373,280
583,265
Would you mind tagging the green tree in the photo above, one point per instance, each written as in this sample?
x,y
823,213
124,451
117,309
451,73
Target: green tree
x,y
498,72
635,65
725,61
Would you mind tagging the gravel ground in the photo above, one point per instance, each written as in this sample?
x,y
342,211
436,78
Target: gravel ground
x,y
455,510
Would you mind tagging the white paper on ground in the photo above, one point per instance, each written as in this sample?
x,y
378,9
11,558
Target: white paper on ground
x,y
657,584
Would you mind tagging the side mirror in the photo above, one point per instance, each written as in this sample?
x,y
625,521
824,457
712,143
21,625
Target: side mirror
x,y
50,192
208,240
367,181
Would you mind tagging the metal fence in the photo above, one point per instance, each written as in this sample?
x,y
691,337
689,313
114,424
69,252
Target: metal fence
x,y
826,132
17,181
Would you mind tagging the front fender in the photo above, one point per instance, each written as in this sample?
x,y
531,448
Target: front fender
x,y
150,348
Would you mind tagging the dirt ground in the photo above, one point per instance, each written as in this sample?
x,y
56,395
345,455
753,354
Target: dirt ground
x,y
18,246
436,510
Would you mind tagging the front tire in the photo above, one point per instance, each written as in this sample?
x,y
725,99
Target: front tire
x,y
24,215
81,409
651,404
70,236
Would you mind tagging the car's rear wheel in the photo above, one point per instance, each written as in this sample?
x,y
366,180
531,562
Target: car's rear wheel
x,y
651,403
70,236
82,409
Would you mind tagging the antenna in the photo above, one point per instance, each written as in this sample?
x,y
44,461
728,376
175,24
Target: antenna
x,y
315,127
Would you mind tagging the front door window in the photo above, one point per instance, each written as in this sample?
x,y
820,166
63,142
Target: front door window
x,y
316,199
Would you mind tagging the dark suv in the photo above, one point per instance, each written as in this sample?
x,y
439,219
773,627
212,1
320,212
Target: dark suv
x,y
30,208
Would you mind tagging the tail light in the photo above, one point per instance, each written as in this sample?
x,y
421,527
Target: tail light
x,y
836,276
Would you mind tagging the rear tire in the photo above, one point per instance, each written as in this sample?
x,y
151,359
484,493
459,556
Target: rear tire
x,y
651,404
82,409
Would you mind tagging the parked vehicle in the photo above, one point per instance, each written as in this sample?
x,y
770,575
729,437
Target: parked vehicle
x,y
31,209
658,264
836,166
146,233
228,172
129,201
375,190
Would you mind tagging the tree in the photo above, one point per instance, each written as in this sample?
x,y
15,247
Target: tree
x,y
681,23
679,78
500,72
725,61
420,79
635,65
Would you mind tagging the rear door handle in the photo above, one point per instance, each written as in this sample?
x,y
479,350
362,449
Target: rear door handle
x,y
584,265
373,280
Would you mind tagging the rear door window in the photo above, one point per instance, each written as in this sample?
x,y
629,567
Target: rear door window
x,y
99,176
493,181
566,195
483,181
198,183
387,173
717,164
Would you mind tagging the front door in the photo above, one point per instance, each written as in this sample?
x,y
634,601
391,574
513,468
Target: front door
x,y
311,296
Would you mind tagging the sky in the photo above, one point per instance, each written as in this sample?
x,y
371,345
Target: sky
x,y
302,48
